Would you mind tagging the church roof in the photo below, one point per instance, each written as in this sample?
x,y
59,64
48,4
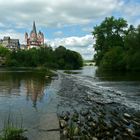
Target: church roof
x,y
34,28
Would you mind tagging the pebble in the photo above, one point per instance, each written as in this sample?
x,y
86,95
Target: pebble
x,y
116,131
76,131
92,124
129,131
94,138
136,123
66,118
89,118
126,115
126,122
84,112
125,134
63,123
65,132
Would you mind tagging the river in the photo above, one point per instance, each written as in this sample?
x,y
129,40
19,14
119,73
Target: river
x,y
26,95
117,87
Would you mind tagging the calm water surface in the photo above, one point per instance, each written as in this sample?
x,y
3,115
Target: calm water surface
x,y
25,96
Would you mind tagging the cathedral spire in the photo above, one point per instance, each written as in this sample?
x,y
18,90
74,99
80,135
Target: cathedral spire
x,y
34,28
34,40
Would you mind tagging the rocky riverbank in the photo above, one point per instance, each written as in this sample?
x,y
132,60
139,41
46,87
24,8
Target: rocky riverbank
x,y
83,117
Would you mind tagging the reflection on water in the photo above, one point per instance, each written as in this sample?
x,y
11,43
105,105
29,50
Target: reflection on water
x,y
35,90
118,75
26,96
22,84
93,71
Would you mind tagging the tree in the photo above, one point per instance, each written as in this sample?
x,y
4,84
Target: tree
x,y
132,48
108,34
113,59
67,59
4,51
60,58
4,55
117,47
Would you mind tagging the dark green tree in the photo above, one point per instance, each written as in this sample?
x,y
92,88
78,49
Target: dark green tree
x,y
108,34
60,58
132,47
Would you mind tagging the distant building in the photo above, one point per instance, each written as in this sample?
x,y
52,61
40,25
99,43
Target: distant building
x,y
34,40
12,44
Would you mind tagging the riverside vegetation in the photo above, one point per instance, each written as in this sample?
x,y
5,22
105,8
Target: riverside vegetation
x,y
12,131
60,58
117,45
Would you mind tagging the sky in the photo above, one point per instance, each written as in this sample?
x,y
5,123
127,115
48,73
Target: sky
x,y
64,22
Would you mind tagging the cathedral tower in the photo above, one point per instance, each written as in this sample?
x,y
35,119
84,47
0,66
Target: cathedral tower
x,y
34,40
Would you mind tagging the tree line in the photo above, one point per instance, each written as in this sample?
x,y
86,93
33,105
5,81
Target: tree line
x,y
60,58
117,45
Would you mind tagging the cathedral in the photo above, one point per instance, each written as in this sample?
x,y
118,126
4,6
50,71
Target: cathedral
x,y
34,40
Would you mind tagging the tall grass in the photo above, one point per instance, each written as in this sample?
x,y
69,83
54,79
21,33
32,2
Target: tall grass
x,y
11,130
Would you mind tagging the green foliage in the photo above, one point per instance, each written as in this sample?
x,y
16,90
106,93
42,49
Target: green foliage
x,y
67,59
4,55
60,58
4,51
108,34
13,133
117,47
113,59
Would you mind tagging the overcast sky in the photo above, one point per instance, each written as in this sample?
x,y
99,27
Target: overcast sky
x,y
64,22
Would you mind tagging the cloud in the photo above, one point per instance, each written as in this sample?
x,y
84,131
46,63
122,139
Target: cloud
x,y
83,45
58,33
130,10
13,34
54,13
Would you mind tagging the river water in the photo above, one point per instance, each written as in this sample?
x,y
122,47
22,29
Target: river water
x,y
117,87
26,95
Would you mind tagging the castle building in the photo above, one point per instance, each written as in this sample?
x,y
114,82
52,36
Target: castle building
x,y
34,40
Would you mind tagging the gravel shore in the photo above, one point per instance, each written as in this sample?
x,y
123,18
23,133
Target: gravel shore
x,y
84,116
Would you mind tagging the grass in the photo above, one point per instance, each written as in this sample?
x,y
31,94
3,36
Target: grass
x,y
11,131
